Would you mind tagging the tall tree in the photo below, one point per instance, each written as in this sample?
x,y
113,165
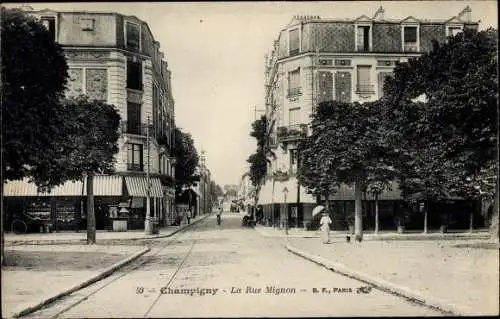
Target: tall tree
x,y
87,147
34,74
453,135
187,160
259,160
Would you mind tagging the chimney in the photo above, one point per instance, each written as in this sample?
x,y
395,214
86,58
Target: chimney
x,y
466,14
379,14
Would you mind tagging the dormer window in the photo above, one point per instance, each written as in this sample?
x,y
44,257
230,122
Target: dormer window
x,y
363,38
294,42
50,24
132,36
410,39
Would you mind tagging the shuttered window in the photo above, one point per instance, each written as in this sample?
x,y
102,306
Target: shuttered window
x,y
325,92
343,87
364,82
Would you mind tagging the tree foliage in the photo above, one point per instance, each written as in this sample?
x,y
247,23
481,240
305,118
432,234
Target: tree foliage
x,y
216,190
259,160
187,160
449,141
34,75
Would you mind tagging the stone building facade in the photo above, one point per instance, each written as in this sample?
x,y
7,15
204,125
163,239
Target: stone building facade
x,y
115,58
315,60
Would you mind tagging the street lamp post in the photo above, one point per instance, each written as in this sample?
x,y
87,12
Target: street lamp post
x,y
285,192
147,221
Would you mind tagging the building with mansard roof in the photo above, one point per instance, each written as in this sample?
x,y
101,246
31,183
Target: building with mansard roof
x,y
315,60
113,58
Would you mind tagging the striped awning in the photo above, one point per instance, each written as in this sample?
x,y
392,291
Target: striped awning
x,y
137,186
22,188
104,185
267,196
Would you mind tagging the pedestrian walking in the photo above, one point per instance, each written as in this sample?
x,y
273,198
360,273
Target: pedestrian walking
x,y
325,222
218,213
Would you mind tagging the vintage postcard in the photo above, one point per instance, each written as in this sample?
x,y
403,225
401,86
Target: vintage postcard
x,y
249,159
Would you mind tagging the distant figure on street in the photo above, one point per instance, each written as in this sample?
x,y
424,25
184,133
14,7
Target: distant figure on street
x,y
218,213
325,222
186,215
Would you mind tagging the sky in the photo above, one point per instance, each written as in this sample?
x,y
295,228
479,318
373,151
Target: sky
x,y
216,51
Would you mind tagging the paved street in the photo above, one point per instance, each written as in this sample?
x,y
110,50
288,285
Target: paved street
x,y
205,271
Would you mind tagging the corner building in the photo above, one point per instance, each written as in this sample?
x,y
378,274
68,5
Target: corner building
x,y
113,58
315,60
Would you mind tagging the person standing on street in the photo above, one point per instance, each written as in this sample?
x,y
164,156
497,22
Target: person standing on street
x,y
218,213
325,222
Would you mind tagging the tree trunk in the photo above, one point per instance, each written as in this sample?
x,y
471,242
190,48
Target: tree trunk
x,y
1,221
425,220
494,222
376,214
90,210
358,211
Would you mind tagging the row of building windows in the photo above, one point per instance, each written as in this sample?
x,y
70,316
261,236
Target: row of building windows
x,y
342,83
363,41
135,158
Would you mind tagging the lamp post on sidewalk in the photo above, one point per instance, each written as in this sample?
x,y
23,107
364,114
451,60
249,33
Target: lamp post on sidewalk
x,y
285,192
147,222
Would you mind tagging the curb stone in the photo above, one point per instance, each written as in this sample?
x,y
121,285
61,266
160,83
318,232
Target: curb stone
x,y
414,296
79,241
105,273
411,237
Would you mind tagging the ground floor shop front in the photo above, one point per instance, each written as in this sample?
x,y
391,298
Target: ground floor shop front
x,y
281,208
116,197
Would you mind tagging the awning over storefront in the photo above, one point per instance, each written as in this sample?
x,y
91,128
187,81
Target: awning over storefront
x,y
137,186
21,188
104,185
267,196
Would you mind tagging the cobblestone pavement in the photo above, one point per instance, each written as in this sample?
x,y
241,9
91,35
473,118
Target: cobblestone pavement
x,y
448,270
35,272
217,271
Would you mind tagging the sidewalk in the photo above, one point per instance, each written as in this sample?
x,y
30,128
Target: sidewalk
x,y
267,231
72,237
36,275
445,274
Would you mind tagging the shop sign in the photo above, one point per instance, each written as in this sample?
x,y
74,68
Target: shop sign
x,y
124,204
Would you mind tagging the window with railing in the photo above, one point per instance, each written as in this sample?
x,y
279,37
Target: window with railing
x,y
364,83
294,83
134,157
134,75
410,39
133,123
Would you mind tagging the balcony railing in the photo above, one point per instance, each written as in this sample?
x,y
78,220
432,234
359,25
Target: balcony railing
x,y
294,92
135,167
292,132
136,128
365,88
410,47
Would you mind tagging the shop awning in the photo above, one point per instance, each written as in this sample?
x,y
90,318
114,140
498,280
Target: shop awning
x,y
137,186
267,196
104,185
21,188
